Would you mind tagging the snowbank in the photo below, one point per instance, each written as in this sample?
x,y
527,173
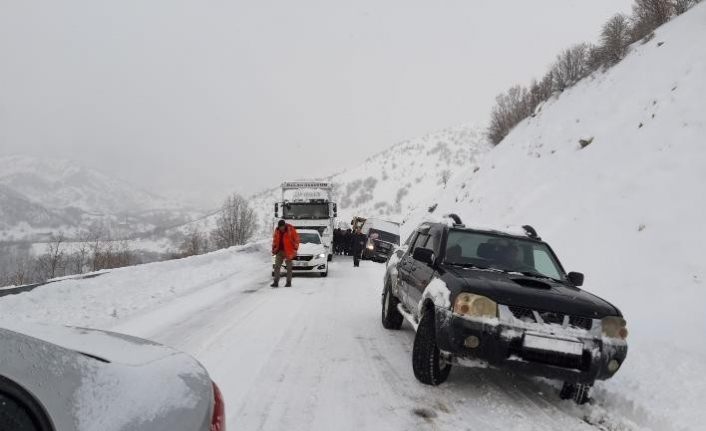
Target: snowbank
x,y
124,294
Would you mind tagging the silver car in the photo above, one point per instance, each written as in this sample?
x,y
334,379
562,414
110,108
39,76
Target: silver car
x,y
74,379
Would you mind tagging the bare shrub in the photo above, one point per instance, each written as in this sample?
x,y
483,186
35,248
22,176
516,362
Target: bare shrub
x,y
681,6
615,38
52,263
236,223
647,15
571,66
194,244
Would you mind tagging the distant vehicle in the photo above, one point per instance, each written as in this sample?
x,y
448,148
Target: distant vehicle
x,y
483,296
67,379
311,257
309,205
382,238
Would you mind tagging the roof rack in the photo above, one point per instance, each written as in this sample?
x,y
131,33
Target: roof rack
x,y
456,220
531,232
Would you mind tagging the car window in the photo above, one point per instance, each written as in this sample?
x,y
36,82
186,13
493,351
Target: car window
x,y
310,238
543,264
420,242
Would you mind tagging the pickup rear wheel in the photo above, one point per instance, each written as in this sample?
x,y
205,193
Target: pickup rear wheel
x,y
391,316
427,363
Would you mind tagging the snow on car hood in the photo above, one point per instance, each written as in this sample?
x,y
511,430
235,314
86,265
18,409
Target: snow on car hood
x,y
310,248
93,380
110,346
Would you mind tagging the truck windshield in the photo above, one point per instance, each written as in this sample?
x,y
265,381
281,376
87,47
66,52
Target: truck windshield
x,y
303,211
309,238
468,248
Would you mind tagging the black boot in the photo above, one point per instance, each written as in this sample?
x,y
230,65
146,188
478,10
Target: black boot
x,y
274,284
289,284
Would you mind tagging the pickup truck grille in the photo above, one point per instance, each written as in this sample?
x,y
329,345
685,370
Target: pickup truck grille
x,y
527,314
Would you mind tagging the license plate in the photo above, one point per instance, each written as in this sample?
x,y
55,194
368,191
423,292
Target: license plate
x,y
547,343
298,264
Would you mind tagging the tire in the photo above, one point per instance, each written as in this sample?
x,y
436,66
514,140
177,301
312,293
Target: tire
x,y
427,363
578,392
324,274
391,316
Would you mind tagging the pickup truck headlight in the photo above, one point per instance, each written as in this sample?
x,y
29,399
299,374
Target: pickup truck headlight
x,y
471,305
614,327
321,256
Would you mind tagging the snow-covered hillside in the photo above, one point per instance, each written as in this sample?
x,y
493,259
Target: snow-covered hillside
x,y
628,209
394,182
389,184
47,195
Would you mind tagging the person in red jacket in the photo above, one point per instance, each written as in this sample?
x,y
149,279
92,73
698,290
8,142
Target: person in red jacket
x,y
285,243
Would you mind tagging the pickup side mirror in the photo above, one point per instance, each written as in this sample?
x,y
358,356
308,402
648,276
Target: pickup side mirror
x,y
575,278
424,255
276,210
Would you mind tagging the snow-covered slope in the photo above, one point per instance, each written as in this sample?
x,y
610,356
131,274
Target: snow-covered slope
x,y
44,195
57,183
629,209
389,184
393,182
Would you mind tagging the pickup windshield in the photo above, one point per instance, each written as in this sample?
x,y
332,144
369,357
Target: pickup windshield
x,y
481,250
305,211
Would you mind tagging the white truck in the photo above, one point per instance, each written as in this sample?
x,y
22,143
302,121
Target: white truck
x,y
309,205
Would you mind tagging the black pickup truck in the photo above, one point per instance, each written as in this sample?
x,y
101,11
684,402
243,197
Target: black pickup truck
x,y
483,297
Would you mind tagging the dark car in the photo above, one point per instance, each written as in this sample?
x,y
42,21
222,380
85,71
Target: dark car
x,y
492,298
382,236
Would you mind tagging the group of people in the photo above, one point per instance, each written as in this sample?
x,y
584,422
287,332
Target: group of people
x,y
285,244
349,243
343,242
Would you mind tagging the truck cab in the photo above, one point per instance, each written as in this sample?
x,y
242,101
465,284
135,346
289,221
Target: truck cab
x,y
309,205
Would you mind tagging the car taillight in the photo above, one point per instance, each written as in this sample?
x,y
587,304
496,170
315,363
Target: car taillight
x,y
218,420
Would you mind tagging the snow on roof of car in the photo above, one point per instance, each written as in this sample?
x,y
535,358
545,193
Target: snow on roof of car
x,y
514,230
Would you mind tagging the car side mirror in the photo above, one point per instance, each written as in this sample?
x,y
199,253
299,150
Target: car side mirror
x,y
424,255
335,210
575,278
276,210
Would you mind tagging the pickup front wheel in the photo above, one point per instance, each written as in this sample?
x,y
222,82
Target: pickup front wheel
x,y
391,316
428,366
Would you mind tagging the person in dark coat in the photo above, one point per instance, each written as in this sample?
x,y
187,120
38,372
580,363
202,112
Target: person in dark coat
x,y
358,240
337,241
347,242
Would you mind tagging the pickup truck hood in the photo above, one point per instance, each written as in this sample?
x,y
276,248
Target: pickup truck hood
x,y
534,293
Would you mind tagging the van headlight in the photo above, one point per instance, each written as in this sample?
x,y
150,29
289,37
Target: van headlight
x,y
471,305
614,327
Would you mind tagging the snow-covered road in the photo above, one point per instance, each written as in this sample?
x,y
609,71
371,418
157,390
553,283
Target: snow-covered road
x,y
315,357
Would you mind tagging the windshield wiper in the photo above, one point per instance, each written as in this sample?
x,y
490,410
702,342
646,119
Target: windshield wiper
x,y
471,265
537,275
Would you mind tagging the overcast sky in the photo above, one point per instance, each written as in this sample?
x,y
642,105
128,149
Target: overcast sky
x,y
206,96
